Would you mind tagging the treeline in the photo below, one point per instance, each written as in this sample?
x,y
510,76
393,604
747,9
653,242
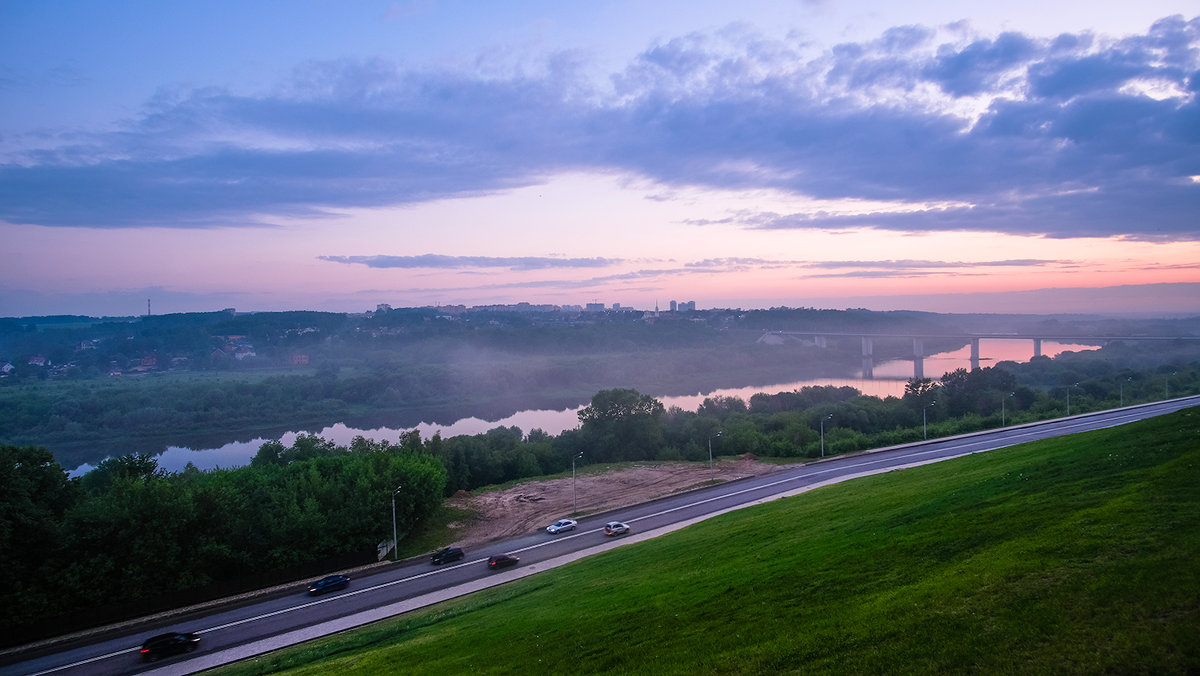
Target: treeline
x,y
623,425
127,535
79,348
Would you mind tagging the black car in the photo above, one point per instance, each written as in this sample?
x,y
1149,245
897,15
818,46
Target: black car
x,y
502,561
447,555
165,645
328,584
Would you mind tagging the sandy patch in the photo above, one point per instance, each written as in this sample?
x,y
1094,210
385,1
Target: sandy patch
x,y
532,505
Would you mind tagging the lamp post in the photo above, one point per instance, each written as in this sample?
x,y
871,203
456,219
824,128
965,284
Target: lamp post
x,y
1123,391
924,426
1002,400
1167,386
395,540
1069,399
574,502
823,419
711,476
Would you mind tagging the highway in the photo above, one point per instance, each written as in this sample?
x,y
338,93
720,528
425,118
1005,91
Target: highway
x,y
236,631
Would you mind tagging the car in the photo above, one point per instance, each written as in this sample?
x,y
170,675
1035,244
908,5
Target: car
x,y
615,528
502,561
562,525
329,583
447,554
171,643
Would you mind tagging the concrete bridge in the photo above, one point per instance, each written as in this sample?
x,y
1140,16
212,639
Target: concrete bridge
x,y
918,343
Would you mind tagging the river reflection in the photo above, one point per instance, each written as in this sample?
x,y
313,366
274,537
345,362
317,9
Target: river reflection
x,y
889,381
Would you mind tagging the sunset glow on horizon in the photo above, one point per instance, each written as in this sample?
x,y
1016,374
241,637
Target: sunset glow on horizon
x,y
948,157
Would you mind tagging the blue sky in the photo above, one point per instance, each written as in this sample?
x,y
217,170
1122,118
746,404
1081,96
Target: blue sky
x,y
333,156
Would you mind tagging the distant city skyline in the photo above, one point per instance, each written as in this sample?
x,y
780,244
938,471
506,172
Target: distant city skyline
x,y
1018,157
1130,301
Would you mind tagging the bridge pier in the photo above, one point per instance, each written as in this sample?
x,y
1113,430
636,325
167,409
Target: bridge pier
x,y
868,357
1037,347
974,354
918,358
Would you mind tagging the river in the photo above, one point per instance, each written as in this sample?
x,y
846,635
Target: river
x,y
889,380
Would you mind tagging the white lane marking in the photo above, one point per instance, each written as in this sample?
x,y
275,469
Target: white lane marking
x,y
87,661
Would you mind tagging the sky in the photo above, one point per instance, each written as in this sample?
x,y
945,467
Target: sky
x,y
940,156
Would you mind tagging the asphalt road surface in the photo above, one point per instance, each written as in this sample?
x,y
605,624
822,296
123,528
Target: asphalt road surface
x,y
237,631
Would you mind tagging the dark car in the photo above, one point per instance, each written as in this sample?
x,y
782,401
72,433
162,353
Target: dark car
x,y
165,645
502,561
447,555
329,583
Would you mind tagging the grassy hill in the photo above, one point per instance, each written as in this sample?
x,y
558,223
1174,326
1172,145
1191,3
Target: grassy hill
x,y
1074,555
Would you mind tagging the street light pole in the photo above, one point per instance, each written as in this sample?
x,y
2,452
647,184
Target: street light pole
x,y
1002,401
924,426
574,501
823,419
711,476
395,543
1069,399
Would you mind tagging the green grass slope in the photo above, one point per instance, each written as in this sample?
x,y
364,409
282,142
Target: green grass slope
x,y
1074,555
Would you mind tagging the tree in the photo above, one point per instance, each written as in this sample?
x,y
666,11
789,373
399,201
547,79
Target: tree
x,y
35,496
619,404
270,453
977,391
920,390
956,392
137,466
721,407
622,424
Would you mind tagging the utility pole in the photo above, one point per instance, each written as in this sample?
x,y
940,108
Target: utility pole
x,y
395,539
823,419
574,501
924,426
711,475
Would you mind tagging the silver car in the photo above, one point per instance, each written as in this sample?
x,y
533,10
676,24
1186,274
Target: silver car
x,y
615,528
562,525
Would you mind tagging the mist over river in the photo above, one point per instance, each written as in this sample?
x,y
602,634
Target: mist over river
x,y
889,380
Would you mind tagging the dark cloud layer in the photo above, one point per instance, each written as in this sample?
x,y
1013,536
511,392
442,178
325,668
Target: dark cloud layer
x,y
1074,135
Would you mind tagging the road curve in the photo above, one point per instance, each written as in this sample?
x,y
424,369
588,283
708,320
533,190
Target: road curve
x,y
232,633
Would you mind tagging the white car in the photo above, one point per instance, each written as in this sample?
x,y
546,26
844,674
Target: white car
x,y
615,528
562,525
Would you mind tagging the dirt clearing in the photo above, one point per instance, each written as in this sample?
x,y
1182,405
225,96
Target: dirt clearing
x,y
534,504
